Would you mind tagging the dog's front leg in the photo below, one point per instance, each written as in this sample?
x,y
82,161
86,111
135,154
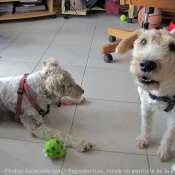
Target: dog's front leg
x,y
146,119
45,132
70,100
163,152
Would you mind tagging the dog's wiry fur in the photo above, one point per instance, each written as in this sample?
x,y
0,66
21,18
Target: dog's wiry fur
x,y
156,46
48,86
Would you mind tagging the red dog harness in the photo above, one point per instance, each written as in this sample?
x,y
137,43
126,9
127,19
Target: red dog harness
x,y
23,87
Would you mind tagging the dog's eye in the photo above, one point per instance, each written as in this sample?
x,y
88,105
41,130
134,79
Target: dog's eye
x,y
171,48
143,42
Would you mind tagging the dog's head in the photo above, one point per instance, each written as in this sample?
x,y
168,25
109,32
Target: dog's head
x,y
153,56
59,82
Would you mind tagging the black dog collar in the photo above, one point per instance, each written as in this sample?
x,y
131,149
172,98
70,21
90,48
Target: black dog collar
x,y
169,100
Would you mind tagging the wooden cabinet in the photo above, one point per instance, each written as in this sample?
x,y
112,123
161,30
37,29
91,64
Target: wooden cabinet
x,y
48,12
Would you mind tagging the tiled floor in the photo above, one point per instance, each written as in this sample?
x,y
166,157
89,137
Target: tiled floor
x,y
110,116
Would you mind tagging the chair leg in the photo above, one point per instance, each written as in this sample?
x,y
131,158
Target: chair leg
x,y
109,48
119,33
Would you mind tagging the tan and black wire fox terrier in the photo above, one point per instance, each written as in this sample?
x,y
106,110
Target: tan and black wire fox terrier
x,y
153,66
51,85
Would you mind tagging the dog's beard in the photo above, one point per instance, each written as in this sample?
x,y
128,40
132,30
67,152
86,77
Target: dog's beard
x,y
146,80
147,84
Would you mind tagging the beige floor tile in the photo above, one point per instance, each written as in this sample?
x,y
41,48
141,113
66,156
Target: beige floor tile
x,y
87,25
68,55
98,162
14,130
76,38
52,24
61,118
24,51
37,35
21,157
110,85
109,126
109,23
11,30
13,68
158,167
4,45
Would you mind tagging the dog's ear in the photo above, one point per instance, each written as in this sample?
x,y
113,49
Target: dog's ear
x,y
51,63
54,84
127,43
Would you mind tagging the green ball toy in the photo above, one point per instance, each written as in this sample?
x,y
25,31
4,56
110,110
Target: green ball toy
x,y
123,18
53,148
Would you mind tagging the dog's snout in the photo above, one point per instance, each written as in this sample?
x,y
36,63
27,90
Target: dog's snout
x,y
147,65
80,89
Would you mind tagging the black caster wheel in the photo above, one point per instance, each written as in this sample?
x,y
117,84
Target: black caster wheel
x,y
108,58
112,38
129,20
53,16
65,16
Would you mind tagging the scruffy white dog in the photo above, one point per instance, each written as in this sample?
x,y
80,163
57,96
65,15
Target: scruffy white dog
x,y
153,66
51,85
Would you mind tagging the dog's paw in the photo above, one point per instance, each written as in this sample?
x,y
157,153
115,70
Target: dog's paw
x,y
163,155
142,142
68,100
78,101
83,146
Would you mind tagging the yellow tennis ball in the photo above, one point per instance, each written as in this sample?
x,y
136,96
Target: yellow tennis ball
x,y
122,17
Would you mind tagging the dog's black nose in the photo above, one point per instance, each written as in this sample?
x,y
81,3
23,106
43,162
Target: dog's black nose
x,y
147,66
83,92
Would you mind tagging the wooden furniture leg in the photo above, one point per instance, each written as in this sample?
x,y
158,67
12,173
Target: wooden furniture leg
x,y
118,33
110,48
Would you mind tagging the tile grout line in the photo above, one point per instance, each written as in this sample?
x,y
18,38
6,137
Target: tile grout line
x,y
73,120
83,77
24,30
61,167
114,101
1,137
48,46
16,37
147,155
100,150
89,51
6,47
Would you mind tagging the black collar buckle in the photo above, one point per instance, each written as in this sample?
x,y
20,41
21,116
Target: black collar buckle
x,y
169,100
